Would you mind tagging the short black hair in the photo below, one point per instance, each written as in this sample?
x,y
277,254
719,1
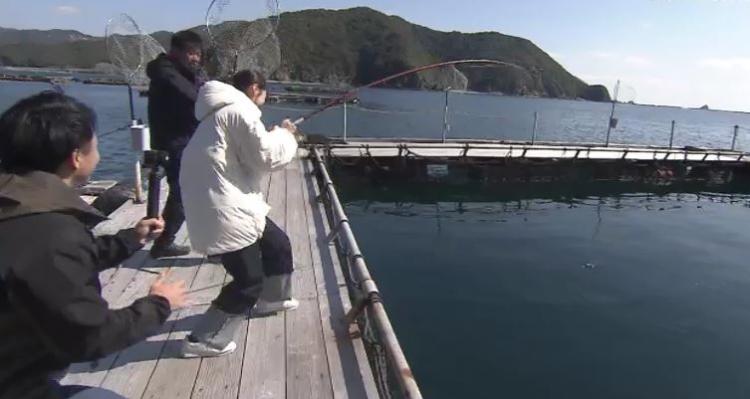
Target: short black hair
x,y
40,132
246,78
186,40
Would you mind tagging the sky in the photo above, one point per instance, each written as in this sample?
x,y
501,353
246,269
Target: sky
x,y
679,52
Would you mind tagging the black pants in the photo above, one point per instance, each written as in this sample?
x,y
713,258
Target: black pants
x,y
269,256
276,250
174,213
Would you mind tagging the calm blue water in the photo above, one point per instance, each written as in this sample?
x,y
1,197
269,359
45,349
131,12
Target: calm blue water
x,y
419,114
538,291
570,296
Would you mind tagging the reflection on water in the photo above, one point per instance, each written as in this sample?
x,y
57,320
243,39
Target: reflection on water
x,y
584,293
480,211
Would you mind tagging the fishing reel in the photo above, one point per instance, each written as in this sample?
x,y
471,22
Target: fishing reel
x,y
156,162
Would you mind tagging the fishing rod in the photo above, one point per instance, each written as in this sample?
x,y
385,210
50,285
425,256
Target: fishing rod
x,y
352,93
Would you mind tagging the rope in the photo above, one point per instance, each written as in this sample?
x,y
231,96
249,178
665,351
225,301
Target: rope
x,y
113,131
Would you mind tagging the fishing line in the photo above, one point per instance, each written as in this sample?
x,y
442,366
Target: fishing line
x,y
450,65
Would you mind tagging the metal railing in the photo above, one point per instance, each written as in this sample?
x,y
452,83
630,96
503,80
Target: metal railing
x,y
350,111
370,298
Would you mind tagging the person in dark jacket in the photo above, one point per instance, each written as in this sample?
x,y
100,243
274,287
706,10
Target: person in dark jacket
x,y
51,310
175,79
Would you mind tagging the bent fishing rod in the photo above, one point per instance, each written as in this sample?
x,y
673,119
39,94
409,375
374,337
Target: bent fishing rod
x,y
353,93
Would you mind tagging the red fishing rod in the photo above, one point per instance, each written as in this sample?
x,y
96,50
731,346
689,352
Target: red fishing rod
x,y
353,93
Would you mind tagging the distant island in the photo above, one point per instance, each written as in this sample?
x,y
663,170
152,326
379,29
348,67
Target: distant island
x,y
353,46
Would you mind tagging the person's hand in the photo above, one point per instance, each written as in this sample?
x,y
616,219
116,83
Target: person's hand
x,y
149,229
175,292
288,125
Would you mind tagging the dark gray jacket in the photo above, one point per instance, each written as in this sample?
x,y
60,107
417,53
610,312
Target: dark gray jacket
x,y
171,104
51,310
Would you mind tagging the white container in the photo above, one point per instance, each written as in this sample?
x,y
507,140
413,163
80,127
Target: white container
x,y
140,138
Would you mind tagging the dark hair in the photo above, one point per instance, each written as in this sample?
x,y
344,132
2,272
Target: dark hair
x,y
41,131
246,78
186,40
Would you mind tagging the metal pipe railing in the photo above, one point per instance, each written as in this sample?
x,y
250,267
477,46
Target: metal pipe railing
x,y
367,286
534,133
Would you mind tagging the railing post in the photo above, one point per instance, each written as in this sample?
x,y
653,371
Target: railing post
x,y
734,137
533,132
446,126
671,136
345,121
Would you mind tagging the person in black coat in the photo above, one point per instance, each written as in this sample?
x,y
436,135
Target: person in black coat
x,y
175,79
52,313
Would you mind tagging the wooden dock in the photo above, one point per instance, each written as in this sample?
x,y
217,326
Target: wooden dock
x,y
307,353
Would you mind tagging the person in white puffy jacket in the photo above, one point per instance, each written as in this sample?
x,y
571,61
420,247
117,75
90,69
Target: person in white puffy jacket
x,y
226,215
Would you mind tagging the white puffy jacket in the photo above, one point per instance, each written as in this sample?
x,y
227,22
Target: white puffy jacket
x,y
222,167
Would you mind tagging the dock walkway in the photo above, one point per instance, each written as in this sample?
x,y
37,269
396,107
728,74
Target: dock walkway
x,y
307,353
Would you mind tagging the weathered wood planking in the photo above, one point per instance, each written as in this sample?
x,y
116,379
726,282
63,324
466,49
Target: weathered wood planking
x,y
351,376
132,370
264,365
173,376
126,216
129,284
308,375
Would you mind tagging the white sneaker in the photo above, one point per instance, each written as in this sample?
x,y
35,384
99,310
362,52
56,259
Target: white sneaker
x,y
201,349
262,307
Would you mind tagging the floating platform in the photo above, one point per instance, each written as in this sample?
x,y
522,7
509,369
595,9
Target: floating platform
x,y
500,161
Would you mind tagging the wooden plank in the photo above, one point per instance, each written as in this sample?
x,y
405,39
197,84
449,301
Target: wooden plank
x,y
220,377
303,277
133,367
130,284
96,187
126,216
123,217
173,376
351,375
264,363
308,375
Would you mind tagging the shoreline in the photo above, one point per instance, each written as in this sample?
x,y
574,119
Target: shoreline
x,y
313,92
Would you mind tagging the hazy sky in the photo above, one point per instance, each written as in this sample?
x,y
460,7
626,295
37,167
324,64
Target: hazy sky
x,y
679,52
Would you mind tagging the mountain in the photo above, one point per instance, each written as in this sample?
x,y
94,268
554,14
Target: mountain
x,y
26,36
360,45
353,46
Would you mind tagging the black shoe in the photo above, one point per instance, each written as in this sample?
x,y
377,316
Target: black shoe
x,y
169,251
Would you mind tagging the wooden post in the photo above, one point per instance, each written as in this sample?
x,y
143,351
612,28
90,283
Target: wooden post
x,y
533,132
734,138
